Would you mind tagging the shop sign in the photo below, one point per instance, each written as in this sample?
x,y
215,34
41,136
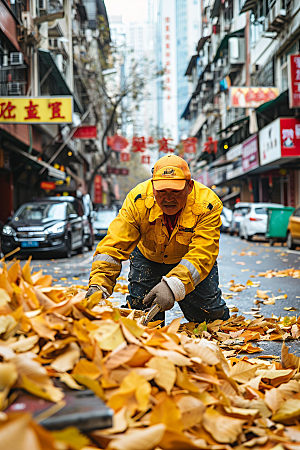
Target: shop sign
x,y
47,185
250,154
234,152
294,81
235,169
98,189
279,139
251,96
86,132
33,110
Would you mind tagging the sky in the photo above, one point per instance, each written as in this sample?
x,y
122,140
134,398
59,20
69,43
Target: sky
x,y
131,10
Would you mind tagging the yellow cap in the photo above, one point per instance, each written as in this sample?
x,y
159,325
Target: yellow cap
x,y
170,172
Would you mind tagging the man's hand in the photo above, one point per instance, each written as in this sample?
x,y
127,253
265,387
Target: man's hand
x,y
92,289
162,295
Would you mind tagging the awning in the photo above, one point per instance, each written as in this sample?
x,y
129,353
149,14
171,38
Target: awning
x,y
215,9
248,5
34,162
82,12
282,98
231,195
186,111
200,121
192,63
201,43
59,86
224,42
235,123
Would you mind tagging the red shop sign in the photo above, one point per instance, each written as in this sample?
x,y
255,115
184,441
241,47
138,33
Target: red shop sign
x,y
86,132
294,81
290,137
250,154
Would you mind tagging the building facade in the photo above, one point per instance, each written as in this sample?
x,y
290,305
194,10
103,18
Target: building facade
x,y
247,129
51,49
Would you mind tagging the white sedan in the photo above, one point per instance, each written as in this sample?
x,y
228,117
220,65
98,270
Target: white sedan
x,y
255,221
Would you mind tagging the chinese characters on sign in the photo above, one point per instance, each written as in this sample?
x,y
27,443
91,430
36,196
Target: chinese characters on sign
x,y
250,154
36,110
168,58
279,139
294,81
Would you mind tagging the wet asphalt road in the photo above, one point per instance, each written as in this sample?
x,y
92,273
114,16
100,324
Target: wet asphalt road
x,y
232,266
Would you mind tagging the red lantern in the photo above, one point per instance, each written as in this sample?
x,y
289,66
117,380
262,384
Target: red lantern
x,y
164,145
138,144
117,143
189,145
125,156
145,159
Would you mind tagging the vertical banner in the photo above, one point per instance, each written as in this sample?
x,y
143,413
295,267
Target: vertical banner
x,y
98,189
294,81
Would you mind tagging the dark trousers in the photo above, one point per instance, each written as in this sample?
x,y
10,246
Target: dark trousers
x,y
204,303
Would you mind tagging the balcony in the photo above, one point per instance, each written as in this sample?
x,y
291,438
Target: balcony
x,y
276,18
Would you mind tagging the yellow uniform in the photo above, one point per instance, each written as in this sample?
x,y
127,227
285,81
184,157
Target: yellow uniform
x,y
193,245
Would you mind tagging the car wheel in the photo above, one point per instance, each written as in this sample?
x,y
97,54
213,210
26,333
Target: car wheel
x,y
68,247
231,232
289,241
241,234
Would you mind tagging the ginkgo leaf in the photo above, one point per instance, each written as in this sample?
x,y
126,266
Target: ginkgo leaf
x,y
288,412
242,371
166,372
146,439
223,429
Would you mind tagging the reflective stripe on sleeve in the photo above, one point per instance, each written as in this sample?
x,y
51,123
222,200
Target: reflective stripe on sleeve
x,y
194,272
107,258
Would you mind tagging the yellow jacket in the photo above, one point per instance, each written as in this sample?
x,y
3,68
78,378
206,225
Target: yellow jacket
x,y
193,245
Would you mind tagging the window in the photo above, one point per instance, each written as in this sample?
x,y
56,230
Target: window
x,y
261,211
70,209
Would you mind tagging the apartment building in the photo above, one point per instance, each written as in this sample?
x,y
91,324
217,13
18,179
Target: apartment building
x,y
246,125
50,49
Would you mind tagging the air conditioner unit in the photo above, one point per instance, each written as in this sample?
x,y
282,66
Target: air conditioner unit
x,y
237,50
28,22
14,89
16,58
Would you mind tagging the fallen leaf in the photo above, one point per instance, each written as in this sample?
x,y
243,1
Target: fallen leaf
x,y
166,372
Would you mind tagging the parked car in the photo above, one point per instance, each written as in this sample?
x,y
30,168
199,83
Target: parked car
x,y
43,226
84,209
102,221
293,231
239,211
254,222
226,216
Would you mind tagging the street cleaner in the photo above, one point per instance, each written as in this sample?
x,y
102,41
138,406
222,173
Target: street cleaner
x,y
169,228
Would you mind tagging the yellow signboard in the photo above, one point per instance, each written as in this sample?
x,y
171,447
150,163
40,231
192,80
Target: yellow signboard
x,y
32,110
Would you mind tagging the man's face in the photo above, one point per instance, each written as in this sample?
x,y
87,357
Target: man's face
x,y
170,200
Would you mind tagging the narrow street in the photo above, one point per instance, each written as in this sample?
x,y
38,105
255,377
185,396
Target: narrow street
x,y
239,261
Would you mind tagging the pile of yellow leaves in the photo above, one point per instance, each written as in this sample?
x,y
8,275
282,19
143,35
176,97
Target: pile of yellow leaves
x,y
169,389
294,273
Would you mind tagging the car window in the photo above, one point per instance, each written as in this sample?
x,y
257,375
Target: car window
x,y
41,212
297,213
261,211
242,211
70,209
105,217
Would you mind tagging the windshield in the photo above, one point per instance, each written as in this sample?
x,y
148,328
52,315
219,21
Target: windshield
x,y
261,211
41,212
105,217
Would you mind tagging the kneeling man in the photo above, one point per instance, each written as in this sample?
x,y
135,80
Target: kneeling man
x,y
169,228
